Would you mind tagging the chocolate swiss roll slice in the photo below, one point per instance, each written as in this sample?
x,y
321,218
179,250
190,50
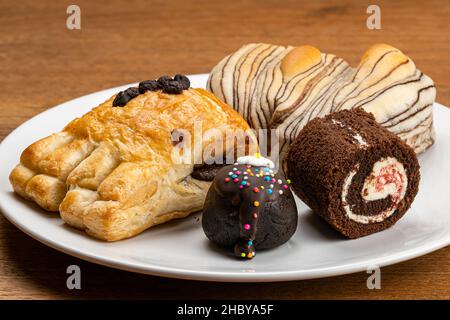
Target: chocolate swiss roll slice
x,y
354,173
249,207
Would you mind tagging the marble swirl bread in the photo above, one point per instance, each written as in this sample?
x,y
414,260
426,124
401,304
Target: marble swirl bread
x,y
285,87
111,173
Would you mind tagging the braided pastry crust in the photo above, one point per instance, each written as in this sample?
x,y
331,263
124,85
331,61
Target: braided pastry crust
x,y
112,172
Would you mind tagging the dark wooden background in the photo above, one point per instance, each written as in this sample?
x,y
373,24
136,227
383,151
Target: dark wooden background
x,y
42,64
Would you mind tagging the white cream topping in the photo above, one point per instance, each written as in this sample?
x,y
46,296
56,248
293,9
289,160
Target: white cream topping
x,y
388,178
256,161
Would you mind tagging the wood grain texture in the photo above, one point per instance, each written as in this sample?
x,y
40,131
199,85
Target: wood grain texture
x,y
43,64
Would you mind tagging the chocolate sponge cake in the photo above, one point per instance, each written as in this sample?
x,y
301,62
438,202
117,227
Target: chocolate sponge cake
x,y
355,174
249,207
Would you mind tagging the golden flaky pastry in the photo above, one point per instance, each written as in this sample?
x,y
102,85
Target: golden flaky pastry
x,y
112,172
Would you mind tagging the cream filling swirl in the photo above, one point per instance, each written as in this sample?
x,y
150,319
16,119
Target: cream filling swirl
x,y
388,178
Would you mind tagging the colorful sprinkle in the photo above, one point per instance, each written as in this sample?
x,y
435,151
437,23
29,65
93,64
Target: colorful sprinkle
x,y
273,180
280,181
243,254
250,242
256,203
280,191
245,178
255,189
227,179
235,180
269,191
230,173
285,187
247,226
250,254
267,178
255,216
241,187
238,172
271,186
262,187
234,169
288,181
234,176
244,183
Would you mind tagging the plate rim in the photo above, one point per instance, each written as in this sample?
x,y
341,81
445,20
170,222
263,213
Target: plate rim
x,y
215,276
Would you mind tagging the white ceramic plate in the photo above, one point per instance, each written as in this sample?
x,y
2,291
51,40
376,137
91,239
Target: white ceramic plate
x,y
180,249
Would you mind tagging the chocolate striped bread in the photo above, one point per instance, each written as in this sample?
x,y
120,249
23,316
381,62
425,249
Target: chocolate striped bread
x,y
277,87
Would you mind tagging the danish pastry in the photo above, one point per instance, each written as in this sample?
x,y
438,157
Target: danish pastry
x,y
277,87
114,172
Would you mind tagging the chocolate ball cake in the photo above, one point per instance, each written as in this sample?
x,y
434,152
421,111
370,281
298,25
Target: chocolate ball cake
x,y
354,173
249,206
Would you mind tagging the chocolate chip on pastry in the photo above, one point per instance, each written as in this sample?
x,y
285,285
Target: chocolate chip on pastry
x,y
249,207
278,87
183,80
115,172
164,83
164,80
357,175
149,85
123,97
172,87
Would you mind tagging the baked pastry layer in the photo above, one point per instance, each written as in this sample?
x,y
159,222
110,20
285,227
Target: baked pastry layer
x,y
113,172
283,88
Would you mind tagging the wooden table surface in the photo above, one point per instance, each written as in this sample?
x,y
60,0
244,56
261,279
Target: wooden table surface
x,y
42,64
